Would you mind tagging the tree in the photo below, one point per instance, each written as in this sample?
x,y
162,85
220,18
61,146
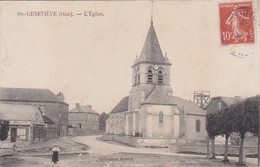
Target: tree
x,y
227,122
252,114
214,129
220,123
4,128
241,117
245,116
248,121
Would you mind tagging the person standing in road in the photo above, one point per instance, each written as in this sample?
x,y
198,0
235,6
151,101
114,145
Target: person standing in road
x,y
55,155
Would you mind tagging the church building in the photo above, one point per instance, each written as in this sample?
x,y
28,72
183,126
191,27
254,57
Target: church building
x,y
151,112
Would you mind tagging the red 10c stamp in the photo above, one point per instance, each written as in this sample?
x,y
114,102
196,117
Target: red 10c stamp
x,y
236,23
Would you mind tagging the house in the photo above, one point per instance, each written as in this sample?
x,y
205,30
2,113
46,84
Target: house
x,y
151,111
25,122
49,127
217,104
83,120
53,106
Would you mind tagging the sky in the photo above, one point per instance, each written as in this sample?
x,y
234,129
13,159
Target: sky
x,y
89,58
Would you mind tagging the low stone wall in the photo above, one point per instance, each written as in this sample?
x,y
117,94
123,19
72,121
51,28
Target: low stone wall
x,y
202,149
140,142
122,139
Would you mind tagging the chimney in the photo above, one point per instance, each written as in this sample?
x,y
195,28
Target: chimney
x,y
60,97
237,99
89,106
77,107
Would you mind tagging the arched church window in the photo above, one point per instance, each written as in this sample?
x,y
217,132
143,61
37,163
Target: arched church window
x,y
160,117
79,126
198,125
150,76
160,77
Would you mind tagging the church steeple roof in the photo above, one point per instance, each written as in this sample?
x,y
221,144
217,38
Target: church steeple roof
x,y
136,59
151,51
166,60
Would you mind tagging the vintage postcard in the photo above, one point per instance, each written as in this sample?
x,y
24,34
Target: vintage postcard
x,y
129,83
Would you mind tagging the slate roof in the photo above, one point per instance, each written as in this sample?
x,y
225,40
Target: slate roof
x,y
47,120
84,108
159,97
121,106
151,51
27,94
19,112
186,106
228,100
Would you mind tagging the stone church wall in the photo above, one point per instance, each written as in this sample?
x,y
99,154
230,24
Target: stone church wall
x,y
116,123
155,128
191,133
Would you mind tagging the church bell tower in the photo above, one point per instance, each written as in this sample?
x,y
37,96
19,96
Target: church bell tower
x,y
149,70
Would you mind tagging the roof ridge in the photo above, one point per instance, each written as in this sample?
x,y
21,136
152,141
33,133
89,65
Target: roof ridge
x,y
122,105
28,94
155,93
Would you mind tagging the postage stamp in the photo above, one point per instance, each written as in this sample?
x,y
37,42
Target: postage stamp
x,y
236,23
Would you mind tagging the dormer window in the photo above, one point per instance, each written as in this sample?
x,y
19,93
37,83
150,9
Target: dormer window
x,y
150,76
160,77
